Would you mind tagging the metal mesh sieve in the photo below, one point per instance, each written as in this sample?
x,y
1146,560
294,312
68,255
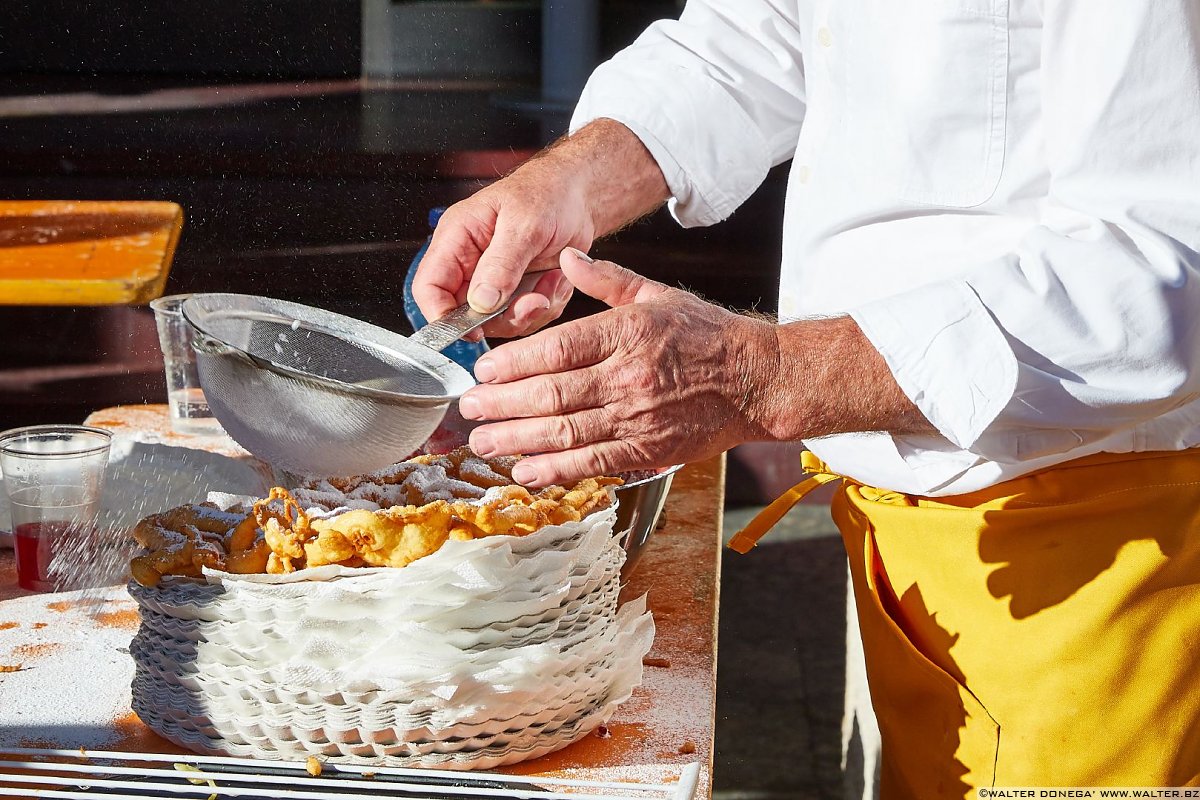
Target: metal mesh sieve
x,y
314,392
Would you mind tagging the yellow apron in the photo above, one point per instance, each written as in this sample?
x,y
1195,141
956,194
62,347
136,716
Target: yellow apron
x,y
1041,632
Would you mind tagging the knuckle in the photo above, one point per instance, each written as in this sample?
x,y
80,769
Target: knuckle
x,y
537,226
561,433
465,217
423,293
556,354
589,461
639,378
642,325
633,452
609,461
506,265
554,396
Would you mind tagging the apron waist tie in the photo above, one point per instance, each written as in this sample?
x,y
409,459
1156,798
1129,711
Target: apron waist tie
x,y
769,517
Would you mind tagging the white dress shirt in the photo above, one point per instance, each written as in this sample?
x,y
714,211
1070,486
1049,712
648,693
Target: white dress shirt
x,y
1004,194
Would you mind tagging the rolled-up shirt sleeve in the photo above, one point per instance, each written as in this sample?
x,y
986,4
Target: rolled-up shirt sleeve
x,y
717,97
1092,325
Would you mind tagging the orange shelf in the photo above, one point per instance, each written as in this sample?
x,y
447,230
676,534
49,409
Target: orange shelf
x,y
86,253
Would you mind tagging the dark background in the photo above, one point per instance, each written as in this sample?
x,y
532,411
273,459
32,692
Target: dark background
x,y
298,178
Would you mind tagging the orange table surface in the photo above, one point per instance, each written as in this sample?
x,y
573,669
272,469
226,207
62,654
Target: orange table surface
x,y
81,253
669,720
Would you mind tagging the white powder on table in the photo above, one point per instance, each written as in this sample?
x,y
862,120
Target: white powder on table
x,y
75,669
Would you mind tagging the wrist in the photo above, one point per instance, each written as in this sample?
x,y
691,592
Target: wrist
x,y
618,179
764,372
829,379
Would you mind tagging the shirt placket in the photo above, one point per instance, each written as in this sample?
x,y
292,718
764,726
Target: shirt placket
x,y
806,185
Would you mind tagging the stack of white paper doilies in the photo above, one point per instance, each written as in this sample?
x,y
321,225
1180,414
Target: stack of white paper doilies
x,y
485,653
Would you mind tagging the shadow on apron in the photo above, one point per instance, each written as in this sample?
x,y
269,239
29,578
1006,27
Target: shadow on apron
x,y
931,725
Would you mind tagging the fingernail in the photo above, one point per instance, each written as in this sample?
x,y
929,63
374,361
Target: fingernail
x,y
482,443
485,298
524,473
485,371
582,255
469,407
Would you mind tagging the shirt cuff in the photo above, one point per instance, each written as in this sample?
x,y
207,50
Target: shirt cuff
x,y
710,152
920,332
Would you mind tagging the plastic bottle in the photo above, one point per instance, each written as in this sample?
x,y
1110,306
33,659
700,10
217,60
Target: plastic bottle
x,y
454,429
463,353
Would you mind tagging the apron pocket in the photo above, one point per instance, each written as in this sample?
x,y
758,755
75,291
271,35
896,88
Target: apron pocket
x,y
938,739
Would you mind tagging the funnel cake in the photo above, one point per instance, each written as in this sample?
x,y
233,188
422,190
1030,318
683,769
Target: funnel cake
x,y
386,519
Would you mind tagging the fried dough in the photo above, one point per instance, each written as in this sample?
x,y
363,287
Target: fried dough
x,y
457,496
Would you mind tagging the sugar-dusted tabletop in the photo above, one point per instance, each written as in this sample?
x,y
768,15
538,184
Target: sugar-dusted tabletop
x,y
666,724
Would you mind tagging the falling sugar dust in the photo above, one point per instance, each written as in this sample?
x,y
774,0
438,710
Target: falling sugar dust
x,y
143,479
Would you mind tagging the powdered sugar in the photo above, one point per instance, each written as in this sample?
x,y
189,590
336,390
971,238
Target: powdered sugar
x,y
75,672
432,483
218,516
404,484
484,474
233,503
379,496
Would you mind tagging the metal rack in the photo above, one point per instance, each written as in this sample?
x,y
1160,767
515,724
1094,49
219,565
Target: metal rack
x,y
98,773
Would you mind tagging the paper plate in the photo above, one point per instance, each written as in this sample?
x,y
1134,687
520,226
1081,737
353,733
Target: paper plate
x,y
379,724
278,642
532,671
382,730
484,653
252,739
531,743
563,626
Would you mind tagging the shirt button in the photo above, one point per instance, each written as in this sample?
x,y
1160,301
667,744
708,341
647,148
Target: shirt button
x,y
825,37
803,173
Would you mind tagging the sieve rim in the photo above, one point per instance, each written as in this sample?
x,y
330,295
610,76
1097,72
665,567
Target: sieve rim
x,y
381,395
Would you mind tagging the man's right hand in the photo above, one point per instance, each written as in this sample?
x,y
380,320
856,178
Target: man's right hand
x,y
574,191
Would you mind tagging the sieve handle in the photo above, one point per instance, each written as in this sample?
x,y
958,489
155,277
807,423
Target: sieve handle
x,y
447,330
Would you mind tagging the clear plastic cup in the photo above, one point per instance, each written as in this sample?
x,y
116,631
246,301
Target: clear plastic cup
x,y
189,408
53,476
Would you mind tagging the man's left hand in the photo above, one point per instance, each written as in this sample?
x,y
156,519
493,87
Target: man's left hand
x,y
661,378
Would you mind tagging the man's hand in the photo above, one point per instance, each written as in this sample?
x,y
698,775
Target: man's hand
x,y
574,191
662,378
520,222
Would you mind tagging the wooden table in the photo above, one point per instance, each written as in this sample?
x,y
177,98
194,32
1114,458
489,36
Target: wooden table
x,y
667,723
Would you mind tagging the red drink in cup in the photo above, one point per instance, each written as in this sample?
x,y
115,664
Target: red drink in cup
x,y
53,476
35,544
35,549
